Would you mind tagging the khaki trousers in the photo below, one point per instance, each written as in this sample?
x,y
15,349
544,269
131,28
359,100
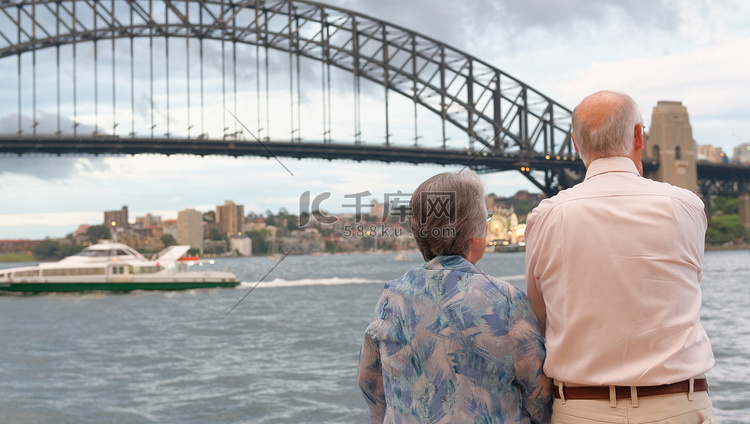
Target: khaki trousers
x,y
678,408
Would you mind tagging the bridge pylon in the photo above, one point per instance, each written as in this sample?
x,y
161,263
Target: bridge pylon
x,y
670,142
744,210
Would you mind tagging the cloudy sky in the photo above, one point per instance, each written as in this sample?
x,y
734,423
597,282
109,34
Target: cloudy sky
x,y
693,51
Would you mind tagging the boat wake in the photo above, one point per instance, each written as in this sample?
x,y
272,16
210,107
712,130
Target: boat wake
x,y
335,281
510,278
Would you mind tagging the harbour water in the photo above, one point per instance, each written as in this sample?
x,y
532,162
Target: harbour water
x,y
287,354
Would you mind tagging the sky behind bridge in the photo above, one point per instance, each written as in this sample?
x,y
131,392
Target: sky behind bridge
x,y
693,51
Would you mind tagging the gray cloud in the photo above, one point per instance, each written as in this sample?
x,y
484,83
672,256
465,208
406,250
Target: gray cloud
x,y
45,167
512,18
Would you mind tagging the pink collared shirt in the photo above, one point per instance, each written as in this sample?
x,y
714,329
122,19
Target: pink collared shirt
x,y
612,272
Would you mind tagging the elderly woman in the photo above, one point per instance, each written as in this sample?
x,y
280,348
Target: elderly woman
x,y
447,342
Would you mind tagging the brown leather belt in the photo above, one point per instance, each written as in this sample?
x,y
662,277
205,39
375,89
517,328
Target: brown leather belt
x,y
623,392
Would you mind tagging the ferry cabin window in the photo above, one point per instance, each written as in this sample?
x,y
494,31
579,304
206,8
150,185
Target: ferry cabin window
x,y
147,269
94,253
32,273
61,272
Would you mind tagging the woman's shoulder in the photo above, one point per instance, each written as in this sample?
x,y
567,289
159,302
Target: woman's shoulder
x,y
484,284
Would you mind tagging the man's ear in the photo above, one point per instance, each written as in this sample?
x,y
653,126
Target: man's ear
x,y
638,142
575,146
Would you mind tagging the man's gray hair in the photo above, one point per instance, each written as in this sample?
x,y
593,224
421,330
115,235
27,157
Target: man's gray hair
x,y
447,210
613,136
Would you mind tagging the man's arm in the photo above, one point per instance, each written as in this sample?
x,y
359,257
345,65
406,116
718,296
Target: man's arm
x,y
532,285
528,360
370,379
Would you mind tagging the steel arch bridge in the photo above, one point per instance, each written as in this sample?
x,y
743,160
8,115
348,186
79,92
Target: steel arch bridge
x,y
508,124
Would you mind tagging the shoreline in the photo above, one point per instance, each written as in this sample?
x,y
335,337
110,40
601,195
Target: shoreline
x,y
733,247
708,248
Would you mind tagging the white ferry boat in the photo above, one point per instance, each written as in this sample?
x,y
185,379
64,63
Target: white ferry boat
x,y
114,267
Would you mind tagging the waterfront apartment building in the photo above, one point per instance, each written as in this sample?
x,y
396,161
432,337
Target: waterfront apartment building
x,y
742,154
230,218
170,227
190,228
119,218
147,221
710,154
242,245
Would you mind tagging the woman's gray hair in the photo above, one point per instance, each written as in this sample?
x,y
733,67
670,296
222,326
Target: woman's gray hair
x,y
447,210
610,137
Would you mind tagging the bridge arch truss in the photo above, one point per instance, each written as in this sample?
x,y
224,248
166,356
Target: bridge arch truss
x,y
501,114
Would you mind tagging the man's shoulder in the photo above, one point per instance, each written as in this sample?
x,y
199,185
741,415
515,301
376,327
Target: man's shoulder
x,y
638,187
677,193
550,203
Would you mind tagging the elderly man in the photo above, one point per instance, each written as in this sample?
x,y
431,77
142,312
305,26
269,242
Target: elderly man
x,y
612,272
447,342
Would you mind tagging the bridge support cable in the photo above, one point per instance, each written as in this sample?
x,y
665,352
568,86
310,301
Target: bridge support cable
x,y
57,69
290,26
386,84
442,95
224,127
20,114
166,63
187,72
34,122
96,76
265,57
234,85
132,78
257,70
299,88
200,53
151,65
323,89
415,98
114,83
327,70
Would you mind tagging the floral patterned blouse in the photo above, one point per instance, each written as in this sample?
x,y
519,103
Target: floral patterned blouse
x,y
450,344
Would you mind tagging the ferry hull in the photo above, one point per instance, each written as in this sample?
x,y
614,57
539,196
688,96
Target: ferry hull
x,y
112,286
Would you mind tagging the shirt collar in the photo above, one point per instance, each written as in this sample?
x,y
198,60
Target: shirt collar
x,y
451,262
611,164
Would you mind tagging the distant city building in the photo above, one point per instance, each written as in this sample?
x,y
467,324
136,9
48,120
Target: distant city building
x,y
170,227
742,154
241,245
148,221
377,209
214,247
82,229
257,225
80,234
142,239
120,218
150,231
13,246
190,228
230,218
502,227
304,242
710,154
